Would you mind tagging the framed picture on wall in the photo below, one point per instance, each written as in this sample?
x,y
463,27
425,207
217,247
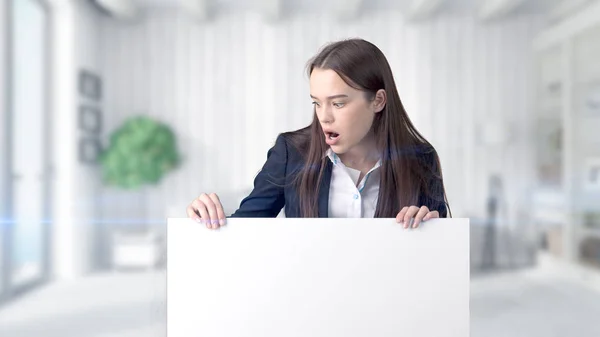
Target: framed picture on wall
x,y
591,100
592,174
90,85
90,119
89,150
549,148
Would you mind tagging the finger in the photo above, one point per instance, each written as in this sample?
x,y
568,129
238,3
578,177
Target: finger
x,y
412,211
400,215
192,214
201,208
220,213
422,212
431,215
212,211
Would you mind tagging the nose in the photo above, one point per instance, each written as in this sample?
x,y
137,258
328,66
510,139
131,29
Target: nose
x,y
325,114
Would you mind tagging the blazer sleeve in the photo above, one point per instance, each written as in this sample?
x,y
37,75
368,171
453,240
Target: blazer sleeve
x,y
267,198
434,197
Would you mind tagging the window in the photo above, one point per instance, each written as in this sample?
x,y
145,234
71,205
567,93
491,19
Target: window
x,y
26,231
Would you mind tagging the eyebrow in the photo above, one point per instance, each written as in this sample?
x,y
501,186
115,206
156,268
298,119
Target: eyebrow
x,y
332,97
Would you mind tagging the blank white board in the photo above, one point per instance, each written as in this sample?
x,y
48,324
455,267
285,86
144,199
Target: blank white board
x,y
318,278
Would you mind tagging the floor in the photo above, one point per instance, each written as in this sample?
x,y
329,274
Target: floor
x,y
532,304
90,308
546,301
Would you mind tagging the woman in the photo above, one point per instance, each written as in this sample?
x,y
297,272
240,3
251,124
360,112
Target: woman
x,y
360,157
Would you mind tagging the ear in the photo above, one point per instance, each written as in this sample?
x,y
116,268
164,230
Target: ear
x,y
380,100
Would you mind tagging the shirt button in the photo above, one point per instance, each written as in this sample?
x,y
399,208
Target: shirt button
x,y
356,196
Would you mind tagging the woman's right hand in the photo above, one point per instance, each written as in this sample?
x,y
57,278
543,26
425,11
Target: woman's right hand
x,y
207,209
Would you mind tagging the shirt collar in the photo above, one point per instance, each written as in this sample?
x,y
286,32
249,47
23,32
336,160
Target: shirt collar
x,y
335,159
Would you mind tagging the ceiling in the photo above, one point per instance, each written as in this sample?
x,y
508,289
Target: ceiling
x,y
486,9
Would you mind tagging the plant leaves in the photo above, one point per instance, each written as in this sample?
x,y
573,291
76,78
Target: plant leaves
x,y
140,152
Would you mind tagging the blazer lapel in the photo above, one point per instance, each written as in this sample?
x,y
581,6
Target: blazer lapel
x,y
323,200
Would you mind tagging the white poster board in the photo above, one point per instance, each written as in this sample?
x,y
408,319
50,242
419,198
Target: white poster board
x,y
318,278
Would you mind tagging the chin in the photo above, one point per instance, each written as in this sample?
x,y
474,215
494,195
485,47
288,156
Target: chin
x,y
339,149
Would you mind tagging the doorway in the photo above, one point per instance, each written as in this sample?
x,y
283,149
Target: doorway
x,y
26,230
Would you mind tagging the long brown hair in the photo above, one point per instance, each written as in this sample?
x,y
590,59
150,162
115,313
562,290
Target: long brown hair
x,y
404,173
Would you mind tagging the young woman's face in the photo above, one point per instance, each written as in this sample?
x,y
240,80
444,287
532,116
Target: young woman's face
x,y
345,114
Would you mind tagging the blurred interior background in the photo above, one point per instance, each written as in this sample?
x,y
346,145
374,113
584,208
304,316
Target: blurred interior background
x,y
115,114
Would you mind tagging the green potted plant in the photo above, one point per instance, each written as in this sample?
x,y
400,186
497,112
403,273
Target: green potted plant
x,y
140,153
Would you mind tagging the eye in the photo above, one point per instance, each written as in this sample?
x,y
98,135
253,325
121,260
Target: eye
x,y
315,104
338,105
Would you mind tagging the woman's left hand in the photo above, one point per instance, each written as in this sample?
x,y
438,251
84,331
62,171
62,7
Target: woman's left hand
x,y
420,214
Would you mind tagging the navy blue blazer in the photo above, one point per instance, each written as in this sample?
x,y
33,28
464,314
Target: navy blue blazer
x,y
273,188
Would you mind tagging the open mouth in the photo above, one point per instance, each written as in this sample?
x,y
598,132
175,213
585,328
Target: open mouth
x,y
332,135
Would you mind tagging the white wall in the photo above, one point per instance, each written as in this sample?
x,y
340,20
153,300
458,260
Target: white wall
x,y
3,136
229,86
66,261
75,45
87,56
3,109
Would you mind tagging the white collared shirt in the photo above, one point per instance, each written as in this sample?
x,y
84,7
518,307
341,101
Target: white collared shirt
x,y
346,199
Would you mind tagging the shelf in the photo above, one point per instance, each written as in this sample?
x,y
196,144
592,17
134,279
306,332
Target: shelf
x,y
568,94
587,82
549,206
550,112
590,232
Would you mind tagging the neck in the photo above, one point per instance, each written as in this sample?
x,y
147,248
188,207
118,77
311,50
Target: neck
x,y
363,156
